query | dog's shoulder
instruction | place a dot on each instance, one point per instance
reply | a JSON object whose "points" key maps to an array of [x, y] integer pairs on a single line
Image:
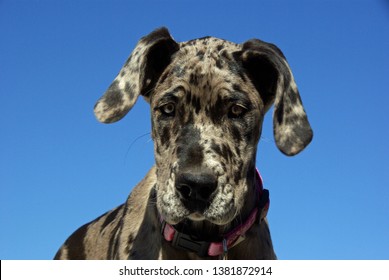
{"points": [[99, 239], [83, 243]]}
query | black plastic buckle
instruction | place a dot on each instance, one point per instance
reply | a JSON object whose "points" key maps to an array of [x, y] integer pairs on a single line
{"points": [[185, 241]]}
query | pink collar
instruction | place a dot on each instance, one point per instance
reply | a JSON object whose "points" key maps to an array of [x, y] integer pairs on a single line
{"points": [[230, 239]]}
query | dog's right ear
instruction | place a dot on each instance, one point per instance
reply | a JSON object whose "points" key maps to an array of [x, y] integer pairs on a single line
{"points": [[139, 75], [271, 75]]}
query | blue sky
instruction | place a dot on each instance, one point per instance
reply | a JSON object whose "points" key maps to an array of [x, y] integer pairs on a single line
{"points": [[60, 168]]}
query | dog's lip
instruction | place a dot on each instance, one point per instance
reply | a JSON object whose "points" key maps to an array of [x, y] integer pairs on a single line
{"points": [[196, 216]]}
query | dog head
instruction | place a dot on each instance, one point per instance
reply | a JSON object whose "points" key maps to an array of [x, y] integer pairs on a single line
{"points": [[208, 98]]}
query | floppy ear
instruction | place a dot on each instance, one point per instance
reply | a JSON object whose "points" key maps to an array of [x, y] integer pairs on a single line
{"points": [[139, 75], [272, 77]]}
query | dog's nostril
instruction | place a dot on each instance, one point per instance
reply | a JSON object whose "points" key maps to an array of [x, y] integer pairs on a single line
{"points": [[184, 190]]}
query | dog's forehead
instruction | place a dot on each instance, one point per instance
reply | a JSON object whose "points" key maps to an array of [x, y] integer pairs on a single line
{"points": [[202, 65], [206, 50], [209, 44]]}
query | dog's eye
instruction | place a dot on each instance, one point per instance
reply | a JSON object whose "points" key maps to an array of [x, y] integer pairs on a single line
{"points": [[168, 109], [237, 111]]}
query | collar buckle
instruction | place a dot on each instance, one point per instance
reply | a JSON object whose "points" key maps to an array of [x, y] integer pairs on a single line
{"points": [[186, 242]]}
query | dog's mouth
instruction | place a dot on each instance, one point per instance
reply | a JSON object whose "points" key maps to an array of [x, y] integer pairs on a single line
{"points": [[220, 210]]}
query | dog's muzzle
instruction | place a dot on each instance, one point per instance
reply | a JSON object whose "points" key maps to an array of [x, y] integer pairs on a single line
{"points": [[196, 190], [221, 244]]}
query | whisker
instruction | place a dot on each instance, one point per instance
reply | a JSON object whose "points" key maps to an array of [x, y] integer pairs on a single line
{"points": [[133, 142]]}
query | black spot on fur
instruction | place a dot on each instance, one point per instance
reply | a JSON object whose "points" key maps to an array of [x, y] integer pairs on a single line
{"points": [[193, 79], [237, 87], [130, 239], [236, 134], [226, 151], [113, 244], [216, 111], [165, 136], [200, 54], [219, 64], [113, 96], [216, 148], [222, 149], [236, 176], [220, 47], [75, 244], [279, 116], [236, 69], [193, 101], [110, 217]]}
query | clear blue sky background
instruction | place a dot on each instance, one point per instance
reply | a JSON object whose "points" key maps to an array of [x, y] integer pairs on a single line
{"points": [[60, 168]]}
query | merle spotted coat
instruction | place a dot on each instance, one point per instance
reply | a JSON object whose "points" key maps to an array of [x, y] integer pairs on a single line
{"points": [[208, 98]]}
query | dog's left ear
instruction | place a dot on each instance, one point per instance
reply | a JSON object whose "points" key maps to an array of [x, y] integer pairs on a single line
{"points": [[138, 76], [270, 73]]}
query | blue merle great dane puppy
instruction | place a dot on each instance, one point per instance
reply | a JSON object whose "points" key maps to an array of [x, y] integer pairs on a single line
{"points": [[204, 198]]}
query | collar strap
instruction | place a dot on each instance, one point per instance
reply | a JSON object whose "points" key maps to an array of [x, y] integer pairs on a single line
{"points": [[229, 240]]}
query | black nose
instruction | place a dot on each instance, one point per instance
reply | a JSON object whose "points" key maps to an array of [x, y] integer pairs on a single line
{"points": [[196, 189]]}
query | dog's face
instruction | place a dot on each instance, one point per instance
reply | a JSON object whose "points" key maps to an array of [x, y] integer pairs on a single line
{"points": [[206, 123], [208, 98]]}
